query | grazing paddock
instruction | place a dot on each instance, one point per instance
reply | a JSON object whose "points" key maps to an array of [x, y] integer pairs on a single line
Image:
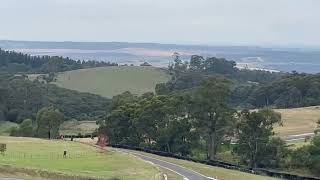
{"points": [[46, 157], [74, 127], [298, 120], [110, 81]]}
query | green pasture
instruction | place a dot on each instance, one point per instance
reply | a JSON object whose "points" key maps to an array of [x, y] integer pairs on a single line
{"points": [[110, 81], [81, 160]]}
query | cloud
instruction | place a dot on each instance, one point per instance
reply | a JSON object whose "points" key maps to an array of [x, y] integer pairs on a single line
{"points": [[258, 22]]}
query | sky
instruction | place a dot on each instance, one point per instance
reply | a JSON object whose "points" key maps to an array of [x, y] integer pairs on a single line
{"points": [[206, 22]]}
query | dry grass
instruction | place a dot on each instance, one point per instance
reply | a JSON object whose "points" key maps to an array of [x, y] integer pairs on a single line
{"points": [[298, 120], [73, 127]]}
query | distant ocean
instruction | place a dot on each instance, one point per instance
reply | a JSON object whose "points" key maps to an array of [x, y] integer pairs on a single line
{"points": [[274, 59]]}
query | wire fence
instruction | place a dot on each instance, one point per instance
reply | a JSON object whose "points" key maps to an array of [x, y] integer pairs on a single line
{"points": [[52, 156]]}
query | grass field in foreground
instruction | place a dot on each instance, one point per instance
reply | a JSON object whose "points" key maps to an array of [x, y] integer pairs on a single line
{"points": [[298, 120], [110, 81], [83, 160]]}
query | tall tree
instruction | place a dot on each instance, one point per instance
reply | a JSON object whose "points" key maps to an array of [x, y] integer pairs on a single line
{"points": [[213, 117], [26, 128], [318, 127], [163, 120], [254, 130], [48, 122]]}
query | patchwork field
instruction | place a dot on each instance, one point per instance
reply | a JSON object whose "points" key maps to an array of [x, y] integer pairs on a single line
{"points": [[45, 158], [298, 120], [110, 81]]}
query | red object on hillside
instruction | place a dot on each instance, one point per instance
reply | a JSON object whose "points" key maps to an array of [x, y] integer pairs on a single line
{"points": [[103, 140]]}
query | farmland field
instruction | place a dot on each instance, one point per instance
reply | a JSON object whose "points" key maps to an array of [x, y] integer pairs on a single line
{"points": [[110, 81], [75, 127], [82, 160], [298, 120]]}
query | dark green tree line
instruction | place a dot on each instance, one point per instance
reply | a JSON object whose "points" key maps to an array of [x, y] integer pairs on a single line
{"points": [[14, 62], [21, 99]]}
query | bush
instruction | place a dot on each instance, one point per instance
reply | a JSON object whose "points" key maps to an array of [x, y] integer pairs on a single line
{"points": [[301, 157], [26, 128], [14, 131]]}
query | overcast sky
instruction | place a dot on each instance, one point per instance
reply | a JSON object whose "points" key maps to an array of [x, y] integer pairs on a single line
{"points": [[225, 22]]}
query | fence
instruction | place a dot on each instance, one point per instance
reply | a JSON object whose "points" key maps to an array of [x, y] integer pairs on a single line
{"points": [[3, 148]]}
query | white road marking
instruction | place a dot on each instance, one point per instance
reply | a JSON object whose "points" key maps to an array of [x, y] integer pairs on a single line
{"points": [[172, 164], [165, 177]]}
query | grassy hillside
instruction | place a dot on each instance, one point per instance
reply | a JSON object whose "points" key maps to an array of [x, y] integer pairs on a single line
{"points": [[83, 160], [76, 127], [298, 120], [110, 81]]}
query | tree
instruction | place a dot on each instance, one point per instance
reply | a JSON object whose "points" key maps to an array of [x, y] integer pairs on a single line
{"points": [[163, 120], [213, 117], [196, 63], [26, 128], [48, 122], [119, 125], [308, 156], [275, 153], [318, 127], [301, 157], [254, 130], [315, 155]]}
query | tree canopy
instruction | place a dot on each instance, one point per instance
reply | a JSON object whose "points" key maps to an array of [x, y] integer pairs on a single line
{"points": [[21, 99], [14, 62]]}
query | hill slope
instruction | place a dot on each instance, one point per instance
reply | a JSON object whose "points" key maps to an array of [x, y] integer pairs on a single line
{"points": [[110, 81], [298, 120]]}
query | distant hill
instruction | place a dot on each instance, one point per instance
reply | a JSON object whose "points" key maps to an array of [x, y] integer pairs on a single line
{"points": [[21, 99], [282, 59], [110, 81], [15, 62]]}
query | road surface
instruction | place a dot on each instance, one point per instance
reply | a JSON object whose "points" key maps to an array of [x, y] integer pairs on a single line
{"points": [[187, 174], [298, 137]]}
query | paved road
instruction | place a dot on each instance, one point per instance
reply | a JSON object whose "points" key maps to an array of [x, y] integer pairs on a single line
{"points": [[187, 174], [298, 137]]}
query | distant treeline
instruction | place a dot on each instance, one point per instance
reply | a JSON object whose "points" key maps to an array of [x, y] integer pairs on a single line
{"points": [[14, 62], [251, 88], [21, 99]]}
